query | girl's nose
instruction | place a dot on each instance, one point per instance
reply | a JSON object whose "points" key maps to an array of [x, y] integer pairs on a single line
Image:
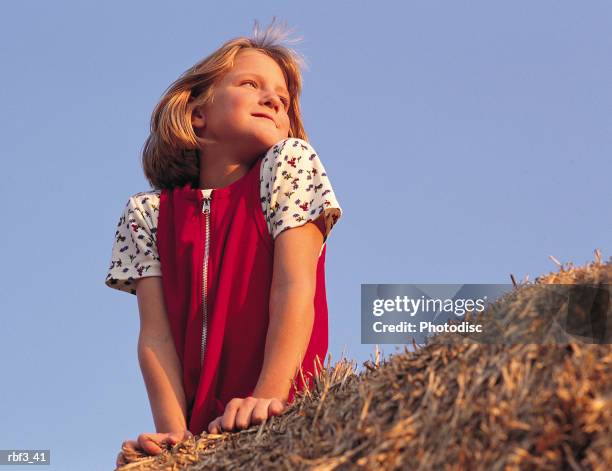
{"points": [[273, 101]]}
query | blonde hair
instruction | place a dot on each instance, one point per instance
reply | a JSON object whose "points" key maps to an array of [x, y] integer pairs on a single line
{"points": [[170, 155]]}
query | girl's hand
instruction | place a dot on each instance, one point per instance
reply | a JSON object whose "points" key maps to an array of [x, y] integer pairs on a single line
{"points": [[242, 413], [149, 444]]}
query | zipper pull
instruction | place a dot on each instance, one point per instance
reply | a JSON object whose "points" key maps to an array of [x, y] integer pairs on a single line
{"points": [[206, 203], [204, 208]]}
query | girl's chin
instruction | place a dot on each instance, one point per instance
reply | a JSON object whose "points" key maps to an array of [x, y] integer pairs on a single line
{"points": [[268, 139], [254, 136]]}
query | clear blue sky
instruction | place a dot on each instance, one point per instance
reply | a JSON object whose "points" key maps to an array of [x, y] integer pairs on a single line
{"points": [[465, 141]]}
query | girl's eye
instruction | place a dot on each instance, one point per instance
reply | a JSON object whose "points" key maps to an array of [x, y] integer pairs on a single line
{"points": [[284, 100]]}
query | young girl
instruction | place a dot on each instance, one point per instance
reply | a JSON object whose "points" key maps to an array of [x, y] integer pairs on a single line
{"points": [[226, 254]]}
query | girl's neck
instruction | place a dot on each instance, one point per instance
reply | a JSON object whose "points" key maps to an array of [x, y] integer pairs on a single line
{"points": [[220, 175], [219, 171]]}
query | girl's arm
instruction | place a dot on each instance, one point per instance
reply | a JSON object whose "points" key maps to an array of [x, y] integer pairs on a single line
{"points": [[296, 253], [158, 359]]}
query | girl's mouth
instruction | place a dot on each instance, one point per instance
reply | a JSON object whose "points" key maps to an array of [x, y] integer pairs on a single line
{"points": [[258, 115]]}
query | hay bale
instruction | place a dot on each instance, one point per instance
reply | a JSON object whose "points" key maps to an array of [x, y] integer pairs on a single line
{"points": [[447, 405]]}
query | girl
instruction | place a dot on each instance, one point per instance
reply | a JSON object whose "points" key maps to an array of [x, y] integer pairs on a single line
{"points": [[226, 254]]}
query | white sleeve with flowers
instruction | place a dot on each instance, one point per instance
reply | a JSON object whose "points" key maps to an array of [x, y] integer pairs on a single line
{"points": [[134, 253], [295, 188]]}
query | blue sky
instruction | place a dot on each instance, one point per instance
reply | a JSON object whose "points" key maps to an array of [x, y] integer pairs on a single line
{"points": [[464, 142]]}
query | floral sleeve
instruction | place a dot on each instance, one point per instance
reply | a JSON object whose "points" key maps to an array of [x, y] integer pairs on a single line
{"points": [[295, 189], [134, 253]]}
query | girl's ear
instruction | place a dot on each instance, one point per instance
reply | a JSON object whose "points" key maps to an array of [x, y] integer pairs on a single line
{"points": [[197, 117]]}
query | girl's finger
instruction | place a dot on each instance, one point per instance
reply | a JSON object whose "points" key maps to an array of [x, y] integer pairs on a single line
{"points": [[130, 450], [130, 445], [260, 412], [229, 416], [275, 408], [120, 461], [150, 444], [243, 416], [214, 426]]}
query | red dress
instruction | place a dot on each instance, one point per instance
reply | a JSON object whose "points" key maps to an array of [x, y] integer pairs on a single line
{"points": [[217, 255]]}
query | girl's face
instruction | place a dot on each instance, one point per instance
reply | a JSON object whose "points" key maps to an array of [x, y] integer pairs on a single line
{"points": [[249, 108]]}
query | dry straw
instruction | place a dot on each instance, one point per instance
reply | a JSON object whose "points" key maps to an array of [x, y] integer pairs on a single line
{"points": [[507, 406]]}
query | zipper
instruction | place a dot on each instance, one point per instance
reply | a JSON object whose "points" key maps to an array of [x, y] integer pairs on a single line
{"points": [[206, 213]]}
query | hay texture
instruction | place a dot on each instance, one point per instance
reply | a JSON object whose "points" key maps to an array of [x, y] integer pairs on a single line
{"points": [[449, 406]]}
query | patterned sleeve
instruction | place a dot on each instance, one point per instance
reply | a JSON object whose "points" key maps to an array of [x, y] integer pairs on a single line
{"points": [[134, 253], [295, 188]]}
